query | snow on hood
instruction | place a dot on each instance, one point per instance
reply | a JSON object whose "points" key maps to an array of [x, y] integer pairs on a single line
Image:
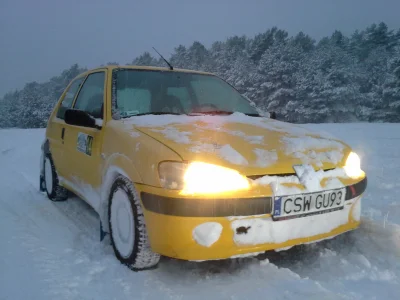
{"points": [[252, 145], [305, 176]]}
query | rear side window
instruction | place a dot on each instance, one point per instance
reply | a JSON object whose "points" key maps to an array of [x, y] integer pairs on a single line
{"points": [[91, 95], [69, 97]]}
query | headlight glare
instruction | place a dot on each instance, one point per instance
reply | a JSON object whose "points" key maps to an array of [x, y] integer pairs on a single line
{"points": [[200, 178], [203, 178], [353, 166]]}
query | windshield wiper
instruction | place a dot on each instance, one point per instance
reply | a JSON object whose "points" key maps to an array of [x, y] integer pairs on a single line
{"points": [[221, 112], [152, 113], [211, 112], [253, 115]]}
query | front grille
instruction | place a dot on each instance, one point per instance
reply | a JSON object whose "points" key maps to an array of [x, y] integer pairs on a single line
{"points": [[254, 177], [206, 207]]}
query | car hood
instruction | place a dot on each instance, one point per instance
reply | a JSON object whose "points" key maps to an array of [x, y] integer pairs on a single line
{"points": [[251, 145]]}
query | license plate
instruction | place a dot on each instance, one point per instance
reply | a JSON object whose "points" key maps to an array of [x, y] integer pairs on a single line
{"points": [[302, 205]]}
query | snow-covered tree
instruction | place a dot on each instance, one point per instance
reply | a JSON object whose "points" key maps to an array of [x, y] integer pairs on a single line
{"points": [[338, 78]]}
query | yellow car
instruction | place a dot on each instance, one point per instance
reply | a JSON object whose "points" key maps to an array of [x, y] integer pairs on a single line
{"points": [[178, 163]]}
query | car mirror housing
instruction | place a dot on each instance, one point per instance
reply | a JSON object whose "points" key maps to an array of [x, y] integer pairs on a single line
{"points": [[80, 118]]}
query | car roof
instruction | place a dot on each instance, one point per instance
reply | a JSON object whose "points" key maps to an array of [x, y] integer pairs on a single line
{"points": [[150, 68]]}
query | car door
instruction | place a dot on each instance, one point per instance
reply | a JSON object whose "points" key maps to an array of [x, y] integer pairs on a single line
{"points": [[84, 145], [56, 126]]}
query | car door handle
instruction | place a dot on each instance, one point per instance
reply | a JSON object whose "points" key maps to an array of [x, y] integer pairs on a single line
{"points": [[62, 133]]}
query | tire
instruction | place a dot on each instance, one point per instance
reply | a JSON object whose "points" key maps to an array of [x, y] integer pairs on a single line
{"points": [[55, 192], [127, 227]]}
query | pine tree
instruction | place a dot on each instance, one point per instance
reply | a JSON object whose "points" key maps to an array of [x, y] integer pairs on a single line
{"points": [[338, 79]]}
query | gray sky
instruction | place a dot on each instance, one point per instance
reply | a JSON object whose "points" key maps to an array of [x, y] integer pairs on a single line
{"points": [[40, 38]]}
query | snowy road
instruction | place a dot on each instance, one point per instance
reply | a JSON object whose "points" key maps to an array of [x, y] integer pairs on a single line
{"points": [[52, 250]]}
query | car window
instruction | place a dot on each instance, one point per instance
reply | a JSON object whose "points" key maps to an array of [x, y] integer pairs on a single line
{"points": [[91, 96], [182, 94], [146, 92], [69, 97], [133, 100], [214, 92]]}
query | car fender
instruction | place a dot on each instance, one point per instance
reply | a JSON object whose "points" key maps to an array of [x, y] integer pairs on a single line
{"points": [[116, 164]]}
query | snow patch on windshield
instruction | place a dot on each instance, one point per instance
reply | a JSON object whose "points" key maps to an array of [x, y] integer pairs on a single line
{"points": [[265, 158]]}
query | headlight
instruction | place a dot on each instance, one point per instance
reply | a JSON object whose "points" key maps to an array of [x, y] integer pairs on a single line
{"points": [[200, 178], [353, 166]]}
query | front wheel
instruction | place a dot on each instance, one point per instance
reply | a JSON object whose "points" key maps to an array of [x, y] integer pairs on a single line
{"points": [[127, 227], [54, 190]]}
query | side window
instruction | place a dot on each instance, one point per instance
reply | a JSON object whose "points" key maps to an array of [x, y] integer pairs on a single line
{"points": [[91, 96], [69, 97], [182, 94]]}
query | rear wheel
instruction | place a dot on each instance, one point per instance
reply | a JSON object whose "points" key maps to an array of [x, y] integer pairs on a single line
{"points": [[127, 227], [54, 191]]}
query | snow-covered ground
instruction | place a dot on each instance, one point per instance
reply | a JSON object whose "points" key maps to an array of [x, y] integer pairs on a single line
{"points": [[52, 250]]}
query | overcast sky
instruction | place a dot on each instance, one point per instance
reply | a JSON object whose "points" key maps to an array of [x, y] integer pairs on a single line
{"points": [[40, 38]]}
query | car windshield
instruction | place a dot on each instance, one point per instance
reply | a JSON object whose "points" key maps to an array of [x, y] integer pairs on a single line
{"points": [[139, 92]]}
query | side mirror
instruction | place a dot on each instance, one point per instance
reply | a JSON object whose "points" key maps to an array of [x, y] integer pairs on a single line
{"points": [[272, 115], [80, 118]]}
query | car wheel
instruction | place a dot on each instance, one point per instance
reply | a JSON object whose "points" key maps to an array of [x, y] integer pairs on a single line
{"points": [[54, 191], [127, 227]]}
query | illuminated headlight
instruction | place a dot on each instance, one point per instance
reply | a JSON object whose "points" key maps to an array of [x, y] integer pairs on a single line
{"points": [[353, 166], [200, 178]]}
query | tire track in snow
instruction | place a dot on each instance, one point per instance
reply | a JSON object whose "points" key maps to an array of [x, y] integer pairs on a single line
{"points": [[350, 260]]}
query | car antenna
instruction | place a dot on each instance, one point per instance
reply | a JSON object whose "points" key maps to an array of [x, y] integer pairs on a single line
{"points": [[170, 66]]}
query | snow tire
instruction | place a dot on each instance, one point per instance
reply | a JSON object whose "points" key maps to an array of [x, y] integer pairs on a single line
{"points": [[55, 192], [141, 256]]}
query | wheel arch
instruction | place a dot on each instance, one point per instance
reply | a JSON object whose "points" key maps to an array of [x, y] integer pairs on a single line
{"points": [[45, 147], [116, 165]]}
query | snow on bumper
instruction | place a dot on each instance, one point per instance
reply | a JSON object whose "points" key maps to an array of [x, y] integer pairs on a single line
{"points": [[201, 229], [264, 230]]}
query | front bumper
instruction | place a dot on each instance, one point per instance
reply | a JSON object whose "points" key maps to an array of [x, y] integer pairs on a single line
{"points": [[237, 226]]}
